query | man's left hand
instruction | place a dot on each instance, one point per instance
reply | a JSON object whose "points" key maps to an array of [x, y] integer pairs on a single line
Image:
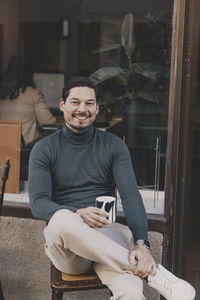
{"points": [[145, 264]]}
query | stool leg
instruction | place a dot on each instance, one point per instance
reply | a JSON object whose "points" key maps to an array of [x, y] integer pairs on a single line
{"points": [[1, 293], [57, 294]]}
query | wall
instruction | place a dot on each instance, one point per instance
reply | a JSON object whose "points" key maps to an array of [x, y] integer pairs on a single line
{"points": [[9, 20], [13, 12]]}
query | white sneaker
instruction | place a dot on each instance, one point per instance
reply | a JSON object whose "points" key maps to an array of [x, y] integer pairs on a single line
{"points": [[170, 286]]}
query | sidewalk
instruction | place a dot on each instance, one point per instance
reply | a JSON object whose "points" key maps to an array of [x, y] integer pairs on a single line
{"points": [[25, 269]]}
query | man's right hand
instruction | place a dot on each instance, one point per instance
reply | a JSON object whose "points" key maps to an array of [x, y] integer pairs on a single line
{"points": [[93, 216]]}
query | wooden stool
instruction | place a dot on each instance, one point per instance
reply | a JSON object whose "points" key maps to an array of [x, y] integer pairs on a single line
{"points": [[62, 282]]}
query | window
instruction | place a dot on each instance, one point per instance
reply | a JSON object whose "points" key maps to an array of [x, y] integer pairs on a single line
{"points": [[135, 109]]}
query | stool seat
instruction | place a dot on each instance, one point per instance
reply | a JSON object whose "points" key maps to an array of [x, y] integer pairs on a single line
{"points": [[83, 278], [63, 282]]}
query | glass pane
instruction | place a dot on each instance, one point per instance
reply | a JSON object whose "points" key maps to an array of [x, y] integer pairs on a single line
{"points": [[61, 38], [134, 88]]}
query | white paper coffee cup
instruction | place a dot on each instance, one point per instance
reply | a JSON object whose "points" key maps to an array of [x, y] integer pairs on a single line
{"points": [[108, 204]]}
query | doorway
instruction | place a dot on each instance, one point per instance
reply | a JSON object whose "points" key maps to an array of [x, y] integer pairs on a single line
{"points": [[183, 158], [192, 273]]}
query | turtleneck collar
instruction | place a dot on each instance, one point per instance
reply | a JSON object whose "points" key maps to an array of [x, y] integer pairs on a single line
{"points": [[77, 138]]}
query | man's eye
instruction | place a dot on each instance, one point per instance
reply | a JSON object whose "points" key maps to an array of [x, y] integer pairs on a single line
{"points": [[74, 102]]}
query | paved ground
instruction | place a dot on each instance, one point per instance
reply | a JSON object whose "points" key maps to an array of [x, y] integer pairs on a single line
{"points": [[25, 269]]}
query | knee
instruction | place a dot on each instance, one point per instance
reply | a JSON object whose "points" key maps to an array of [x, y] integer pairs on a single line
{"points": [[63, 225], [63, 221]]}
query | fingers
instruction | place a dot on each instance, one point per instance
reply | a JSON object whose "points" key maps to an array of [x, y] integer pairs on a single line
{"points": [[145, 262], [94, 217], [94, 220], [144, 270], [131, 258], [99, 211], [98, 217]]}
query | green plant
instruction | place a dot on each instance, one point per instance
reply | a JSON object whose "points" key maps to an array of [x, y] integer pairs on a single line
{"points": [[136, 80]]}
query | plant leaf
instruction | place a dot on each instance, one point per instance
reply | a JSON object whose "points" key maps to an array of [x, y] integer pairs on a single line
{"points": [[150, 70], [107, 48], [127, 31], [151, 96], [107, 97], [105, 73]]}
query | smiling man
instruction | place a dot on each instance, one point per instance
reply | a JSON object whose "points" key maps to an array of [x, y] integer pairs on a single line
{"points": [[68, 170], [80, 112]]}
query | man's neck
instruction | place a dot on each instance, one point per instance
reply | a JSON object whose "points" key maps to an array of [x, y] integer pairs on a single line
{"points": [[76, 129]]}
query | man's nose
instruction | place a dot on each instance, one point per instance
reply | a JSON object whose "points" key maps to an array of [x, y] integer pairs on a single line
{"points": [[82, 107]]}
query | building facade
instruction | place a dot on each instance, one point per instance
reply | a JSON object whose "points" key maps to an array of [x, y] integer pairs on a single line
{"points": [[149, 89]]}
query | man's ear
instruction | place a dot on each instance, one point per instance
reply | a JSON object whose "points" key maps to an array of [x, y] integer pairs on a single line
{"points": [[61, 104], [97, 110]]}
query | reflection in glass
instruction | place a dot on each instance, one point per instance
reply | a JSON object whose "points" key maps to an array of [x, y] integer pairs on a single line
{"points": [[134, 99], [138, 83]]}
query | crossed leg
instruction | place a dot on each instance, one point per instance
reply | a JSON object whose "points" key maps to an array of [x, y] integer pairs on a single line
{"points": [[73, 246]]}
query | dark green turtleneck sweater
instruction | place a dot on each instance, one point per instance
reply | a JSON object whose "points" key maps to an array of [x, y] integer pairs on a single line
{"points": [[69, 170]]}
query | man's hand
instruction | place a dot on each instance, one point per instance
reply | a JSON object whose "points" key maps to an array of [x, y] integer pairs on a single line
{"points": [[145, 264], [93, 216]]}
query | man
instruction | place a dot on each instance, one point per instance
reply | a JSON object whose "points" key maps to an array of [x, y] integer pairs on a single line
{"points": [[68, 170]]}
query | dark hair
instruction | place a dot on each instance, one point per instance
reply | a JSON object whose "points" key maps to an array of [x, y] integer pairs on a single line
{"points": [[17, 75], [78, 81]]}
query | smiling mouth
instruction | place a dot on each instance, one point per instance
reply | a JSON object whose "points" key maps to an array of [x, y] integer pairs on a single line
{"points": [[81, 118]]}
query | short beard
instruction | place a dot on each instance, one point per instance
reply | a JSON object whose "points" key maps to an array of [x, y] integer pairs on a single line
{"points": [[79, 129]]}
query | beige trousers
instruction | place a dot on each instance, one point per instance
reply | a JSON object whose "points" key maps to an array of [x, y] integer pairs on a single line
{"points": [[73, 247]]}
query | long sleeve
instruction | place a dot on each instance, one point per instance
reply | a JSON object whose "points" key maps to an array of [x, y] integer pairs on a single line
{"points": [[40, 184], [131, 199], [69, 170]]}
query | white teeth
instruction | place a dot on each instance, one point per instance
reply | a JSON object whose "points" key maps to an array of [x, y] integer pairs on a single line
{"points": [[81, 118]]}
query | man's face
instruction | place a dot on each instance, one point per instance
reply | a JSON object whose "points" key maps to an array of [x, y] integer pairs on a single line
{"points": [[80, 108]]}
